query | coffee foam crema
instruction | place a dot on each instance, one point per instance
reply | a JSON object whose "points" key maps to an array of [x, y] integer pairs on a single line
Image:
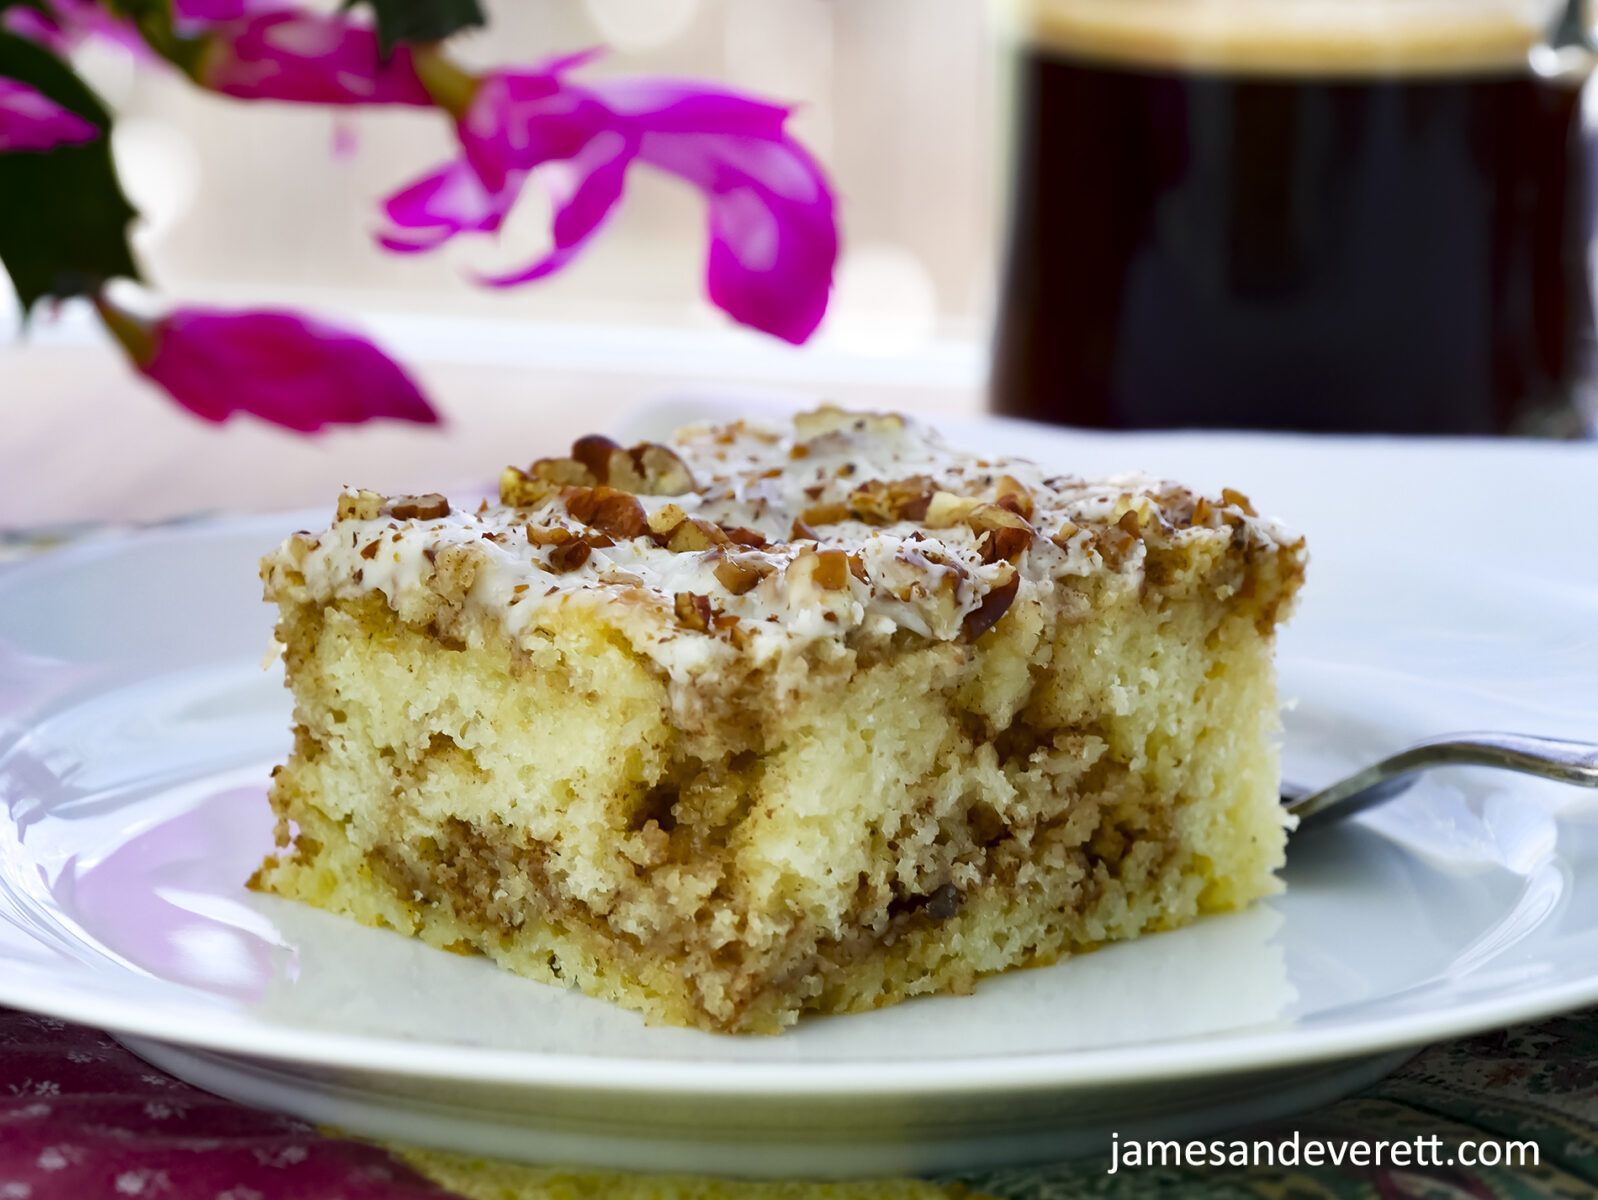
{"points": [[1291, 37]]}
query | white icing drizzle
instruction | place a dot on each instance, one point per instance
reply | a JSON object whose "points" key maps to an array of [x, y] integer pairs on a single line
{"points": [[903, 575]]}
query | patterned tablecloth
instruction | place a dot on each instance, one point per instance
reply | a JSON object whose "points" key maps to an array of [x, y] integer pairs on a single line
{"points": [[80, 1117]]}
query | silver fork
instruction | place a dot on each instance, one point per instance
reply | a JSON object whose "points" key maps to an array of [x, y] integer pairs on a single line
{"points": [[1551, 758]]}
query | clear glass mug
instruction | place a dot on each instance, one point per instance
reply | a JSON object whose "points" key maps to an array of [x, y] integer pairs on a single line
{"points": [[1361, 215]]}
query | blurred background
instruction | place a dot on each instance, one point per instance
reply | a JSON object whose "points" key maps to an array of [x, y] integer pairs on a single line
{"points": [[257, 204]]}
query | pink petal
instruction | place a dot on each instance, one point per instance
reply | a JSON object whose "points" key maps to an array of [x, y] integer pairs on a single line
{"points": [[594, 180], [773, 229], [212, 12], [689, 106], [771, 213], [197, 16], [280, 366], [307, 57], [30, 120], [436, 207], [62, 25], [521, 119]]}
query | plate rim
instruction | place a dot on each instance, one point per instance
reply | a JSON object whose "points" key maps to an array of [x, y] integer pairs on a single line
{"points": [[1234, 1053], [1263, 1048]]}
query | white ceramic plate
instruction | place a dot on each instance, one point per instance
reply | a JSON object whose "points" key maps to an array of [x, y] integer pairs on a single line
{"points": [[1452, 586]]}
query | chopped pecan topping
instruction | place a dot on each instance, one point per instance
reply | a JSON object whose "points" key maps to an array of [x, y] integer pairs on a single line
{"points": [[994, 605], [827, 570], [740, 573], [417, 508], [931, 574], [829, 418], [693, 535], [569, 556], [1005, 534], [1012, 494], [1238, 500], [674, 529], [545, 535], [1005, 543], [693, 610], [594, 452], [359, 506], [608, 509], [884, 501], [647, 469], [802, 532], [1062, 536], [1115, 542], [664, 519], [518, 488], [744, 536], [655, 471], [825, 514], [945, 510], [832, 570]]}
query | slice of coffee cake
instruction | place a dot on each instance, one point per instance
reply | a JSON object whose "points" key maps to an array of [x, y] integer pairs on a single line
{"points": [[764, 722]]}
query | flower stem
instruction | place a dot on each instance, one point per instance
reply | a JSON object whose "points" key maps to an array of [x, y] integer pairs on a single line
{"points": [[451, 87], [137, 337]]}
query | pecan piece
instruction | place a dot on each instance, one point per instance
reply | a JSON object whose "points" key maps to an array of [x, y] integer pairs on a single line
{"points": [[694, 534], [825, 514], [1010, 493], [548, 535], [1006, 534], [519, 489], [740, 574], [664, 520], [1238, 500], [609, 510], [827, 570], [946, 509], [693, 610], [884, 501], [428, 507], [662, 472], [594, 453], [647, 469], [569, 556], [829, 418], [993, 606], [359, 506]]}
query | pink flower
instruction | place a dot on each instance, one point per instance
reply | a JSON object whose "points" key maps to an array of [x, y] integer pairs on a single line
{"points": [[262, 52], [190, 15], [60, 25], [773, 232], [282, 367], [30, 120]]}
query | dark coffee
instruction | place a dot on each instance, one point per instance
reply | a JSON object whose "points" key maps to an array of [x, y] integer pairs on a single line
{"points": [[1204, 248]]}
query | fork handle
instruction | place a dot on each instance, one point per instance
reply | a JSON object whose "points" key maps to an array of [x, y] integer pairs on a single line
{"points": [[1551, 758]]}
